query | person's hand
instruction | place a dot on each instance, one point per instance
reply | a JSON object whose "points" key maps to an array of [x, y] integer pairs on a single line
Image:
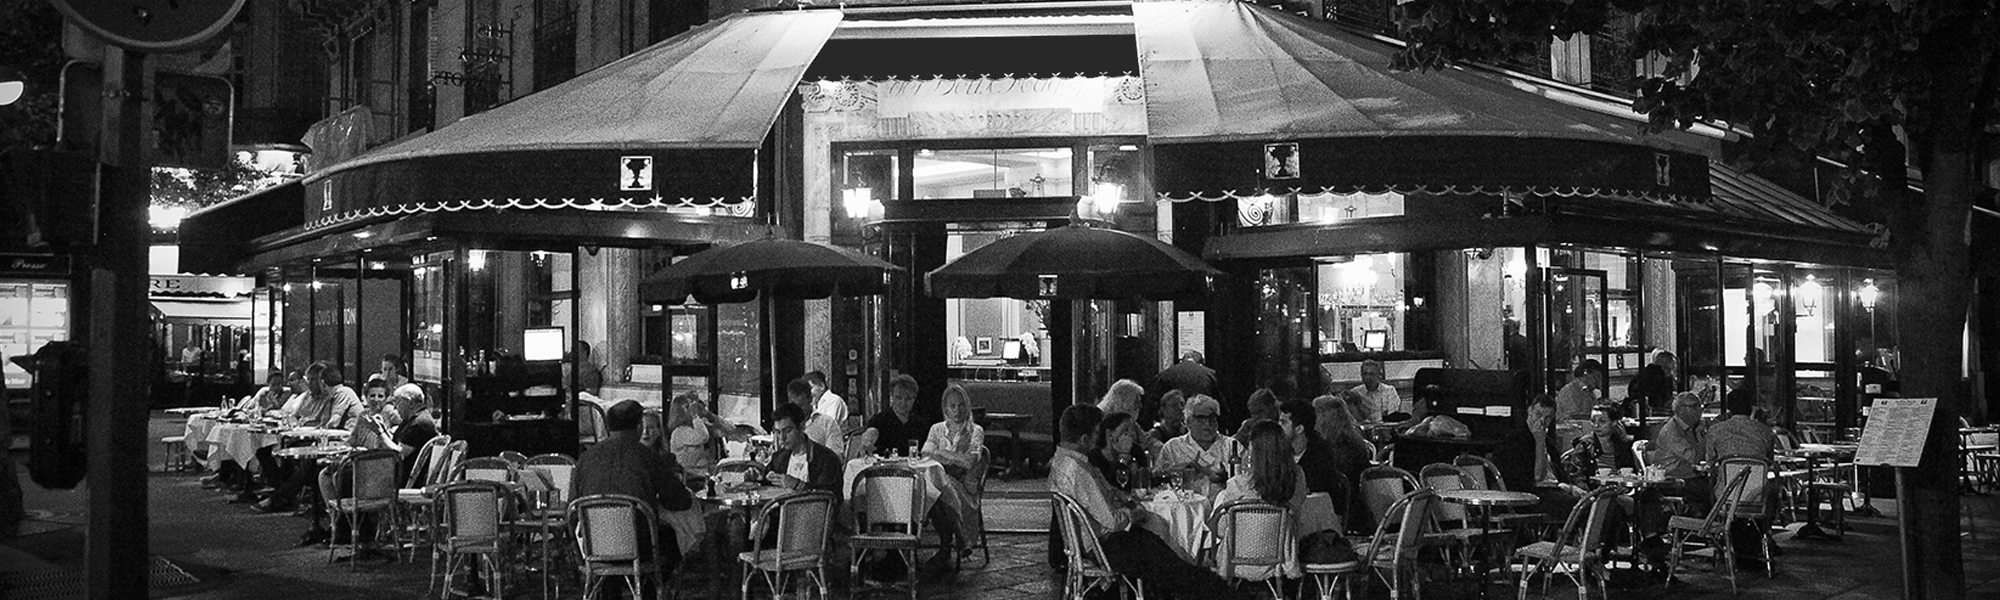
{"points": [[791, 483]]}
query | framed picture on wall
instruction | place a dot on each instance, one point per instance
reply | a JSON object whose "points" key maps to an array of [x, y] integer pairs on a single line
{"points": [[983, 346]]}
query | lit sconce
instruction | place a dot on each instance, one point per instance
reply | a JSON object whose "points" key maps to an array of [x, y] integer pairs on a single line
{"points": [[1869, 294], [859, 201], [1807, 294], [1105, 196], [476, 260], [1762, 291]]}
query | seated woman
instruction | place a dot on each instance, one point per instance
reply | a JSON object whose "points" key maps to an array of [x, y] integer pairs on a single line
{"points": [[956, 443], [1121, 458], [1273, 476], [694, 433]]}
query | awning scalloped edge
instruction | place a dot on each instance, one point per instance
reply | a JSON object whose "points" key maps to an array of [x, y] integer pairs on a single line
{"points": [[1436, 190], [734, 207]]}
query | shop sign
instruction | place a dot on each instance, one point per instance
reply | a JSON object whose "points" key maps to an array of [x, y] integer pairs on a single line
{"points": [[227, 287], [636, 175], [1281, 161], [33, 265]]}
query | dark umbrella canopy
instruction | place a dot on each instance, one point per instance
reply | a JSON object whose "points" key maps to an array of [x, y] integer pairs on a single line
{"points": [[779, 267], [1079, 262]]}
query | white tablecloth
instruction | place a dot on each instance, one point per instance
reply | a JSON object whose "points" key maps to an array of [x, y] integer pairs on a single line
{"points": [[1182, 522], [237, 442]]}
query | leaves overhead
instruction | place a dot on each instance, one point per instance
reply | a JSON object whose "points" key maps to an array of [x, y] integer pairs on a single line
{"points": [[1801, 76]]}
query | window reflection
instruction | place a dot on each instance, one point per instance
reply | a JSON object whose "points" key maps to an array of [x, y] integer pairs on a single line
{"points": [[992, 173]]}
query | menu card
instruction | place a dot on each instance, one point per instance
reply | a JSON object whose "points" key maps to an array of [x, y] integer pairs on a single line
{"points": [[1897, 428]]}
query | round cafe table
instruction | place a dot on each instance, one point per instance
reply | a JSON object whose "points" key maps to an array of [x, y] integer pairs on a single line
{"points": [[739, 505], [313, 433], [1183, 517], [1485, 500]]}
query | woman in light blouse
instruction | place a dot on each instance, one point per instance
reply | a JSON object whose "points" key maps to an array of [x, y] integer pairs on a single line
{"points": [[956, 440]]}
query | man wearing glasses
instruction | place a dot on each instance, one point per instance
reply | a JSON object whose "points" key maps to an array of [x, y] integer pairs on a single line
{"points": [[800, 463], [1203, 454]]}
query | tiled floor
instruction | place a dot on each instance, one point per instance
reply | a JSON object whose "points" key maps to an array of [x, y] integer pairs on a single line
{"points": [[237, 553]]}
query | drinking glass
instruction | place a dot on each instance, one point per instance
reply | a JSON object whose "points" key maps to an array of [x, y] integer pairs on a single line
{"points": [[914, 451]]}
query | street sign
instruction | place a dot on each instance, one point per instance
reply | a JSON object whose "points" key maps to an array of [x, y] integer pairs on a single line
{"points": [[151, 25], [191, 116]]}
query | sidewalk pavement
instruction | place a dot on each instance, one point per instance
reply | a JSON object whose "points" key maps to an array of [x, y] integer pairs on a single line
{"points": [[233, 552]]}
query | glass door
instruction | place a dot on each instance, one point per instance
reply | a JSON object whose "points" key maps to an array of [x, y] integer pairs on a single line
{"points": [[1577, 325]]}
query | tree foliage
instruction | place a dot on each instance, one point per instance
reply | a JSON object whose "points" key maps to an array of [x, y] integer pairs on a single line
{"points": [[1828, 77]]}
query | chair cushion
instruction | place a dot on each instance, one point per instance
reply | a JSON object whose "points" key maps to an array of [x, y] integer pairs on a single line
{"points": [[1351, 566], [1546, 551], [768, 560], [1686, 523], [883, 540]]}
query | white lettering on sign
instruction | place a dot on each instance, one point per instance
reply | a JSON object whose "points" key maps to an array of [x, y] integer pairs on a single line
{"points": [[635, 173]]}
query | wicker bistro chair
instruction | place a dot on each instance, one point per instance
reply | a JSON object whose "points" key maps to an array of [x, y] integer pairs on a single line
{"points": [[515, 457], [1713, 529], [1254, 541], [472, 523], [1088, 566], [1482, 474], [1392, 551], [1381, 486], [977, 479], [617, 536], [412, 503], [1457, 531], [888, 517], [804, 522], [1577, 551], [486, 468], [371, 491]]}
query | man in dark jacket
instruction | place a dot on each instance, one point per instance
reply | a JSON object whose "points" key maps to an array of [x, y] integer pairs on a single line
{"points": [[1653, 388], [622, 464], [800, 463]]}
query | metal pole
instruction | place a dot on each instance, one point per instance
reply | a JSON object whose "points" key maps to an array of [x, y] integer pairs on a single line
{"points": [[116, 544]]}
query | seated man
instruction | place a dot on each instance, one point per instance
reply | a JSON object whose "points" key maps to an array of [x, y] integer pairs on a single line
{"points": [[621, 464], [1742, 435], [1203, 457], [1119, 525], [1677, 447], [799, 463], [896, 429]]}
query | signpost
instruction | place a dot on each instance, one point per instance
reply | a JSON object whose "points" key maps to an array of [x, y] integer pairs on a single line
{"points": [[1895, 435], [116, 543]]}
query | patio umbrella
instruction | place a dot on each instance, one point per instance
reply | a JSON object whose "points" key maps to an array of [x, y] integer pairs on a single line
{"points": [[771, 267], [1075, 262]]}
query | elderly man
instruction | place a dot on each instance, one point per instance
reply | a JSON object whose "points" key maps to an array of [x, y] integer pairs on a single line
{"points": [[1203, 455], [622, 464], [1376, 398]]}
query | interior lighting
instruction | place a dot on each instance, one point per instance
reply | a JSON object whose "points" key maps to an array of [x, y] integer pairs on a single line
{"points": [[11, 86], [858, 201], [1869, 294], [1106, 195], [1807, 293]]}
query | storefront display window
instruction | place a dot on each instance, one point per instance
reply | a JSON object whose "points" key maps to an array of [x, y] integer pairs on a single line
{"points": [[992, 332], [992, 173], [31, 315], [1363, 303], [428, 301]]}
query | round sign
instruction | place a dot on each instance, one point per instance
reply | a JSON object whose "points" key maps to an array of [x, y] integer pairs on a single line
{"points": [[151, 25]]}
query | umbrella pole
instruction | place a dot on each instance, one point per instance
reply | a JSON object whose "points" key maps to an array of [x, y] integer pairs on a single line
{"points": [[765, 306]]}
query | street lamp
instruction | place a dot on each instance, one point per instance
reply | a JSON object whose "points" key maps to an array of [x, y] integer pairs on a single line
{"points": [[11, 86], [858, 201]]}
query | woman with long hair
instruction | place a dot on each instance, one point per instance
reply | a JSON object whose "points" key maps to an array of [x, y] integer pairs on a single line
{"points": [[1119, 455], [956, 442], [1273, 476]]}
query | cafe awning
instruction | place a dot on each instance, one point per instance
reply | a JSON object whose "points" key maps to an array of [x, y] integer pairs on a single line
{"points": [[692, 109], [216, 239], [1224, 79]]}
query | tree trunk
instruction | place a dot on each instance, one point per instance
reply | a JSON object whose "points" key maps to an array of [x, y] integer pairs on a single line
{"points": [[1932, 263]]}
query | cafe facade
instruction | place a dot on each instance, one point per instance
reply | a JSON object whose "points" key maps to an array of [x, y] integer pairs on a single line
{"points": [[1358, 212]]}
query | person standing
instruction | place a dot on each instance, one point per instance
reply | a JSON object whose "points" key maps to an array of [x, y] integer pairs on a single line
{"points": [[1577, 397], [1377, 399], [828, 426], [622, 464], [1189, 376], [1653, 388]]}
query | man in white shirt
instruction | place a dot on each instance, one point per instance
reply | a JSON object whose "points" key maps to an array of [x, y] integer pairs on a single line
{"points": [[829, 415], [1376, 397], [1204, 457]]}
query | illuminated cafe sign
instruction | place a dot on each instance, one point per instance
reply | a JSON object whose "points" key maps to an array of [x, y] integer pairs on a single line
{"points": [[187, 285]]}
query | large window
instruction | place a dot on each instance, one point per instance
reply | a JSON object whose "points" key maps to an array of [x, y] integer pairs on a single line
{"points": [[991, 173], [992, 332], [1364, 303]]}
